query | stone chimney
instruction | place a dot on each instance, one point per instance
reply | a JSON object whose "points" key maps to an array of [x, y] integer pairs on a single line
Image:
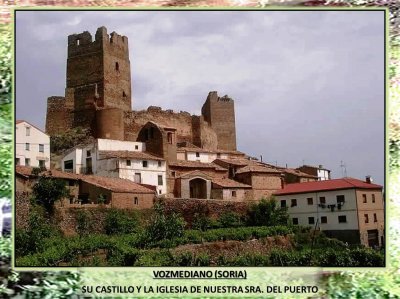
{"points": [[368, 179]]}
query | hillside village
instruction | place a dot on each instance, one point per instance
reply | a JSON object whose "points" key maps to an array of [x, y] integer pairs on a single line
{"points": [[132, 159]]}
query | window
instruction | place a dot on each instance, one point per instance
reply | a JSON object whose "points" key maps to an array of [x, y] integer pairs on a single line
{"points": [[28, 131], [310, 201], [311, 220], [366, 218], [159, 163], [136, 147], [117, 66], [17, 161], [283, 203], [340, 199], [293, 202], [322, 200], [233, 193], [295, 221], [159, 191], [27, 146], [197, 155], [373, 198], [342, 219], [136, 201], [78, 42], [41, 164], [144, 164], [41, 148], [375, 218], [128, 162], [173, 173], [218, 155], [324, 219], [169, 137], [123, 94], [160, 180], [68, 165], [364, 198], [27, 162], [88, 154]]}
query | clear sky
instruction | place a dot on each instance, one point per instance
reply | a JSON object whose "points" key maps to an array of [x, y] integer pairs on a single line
{"points": [[308, 85]]}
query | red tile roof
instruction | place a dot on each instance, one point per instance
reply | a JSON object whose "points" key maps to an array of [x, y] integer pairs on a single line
{"points": [[116, 185], [26, 171], [195, 164], [336, 184], [257, 168], [228, 183], [129, 155]]}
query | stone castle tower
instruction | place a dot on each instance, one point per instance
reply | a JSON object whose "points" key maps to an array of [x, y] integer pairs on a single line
{"points": [[98, 96]]}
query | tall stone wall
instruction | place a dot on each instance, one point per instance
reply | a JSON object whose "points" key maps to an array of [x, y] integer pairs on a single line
{"points": [[219, 112], [58, 117]]}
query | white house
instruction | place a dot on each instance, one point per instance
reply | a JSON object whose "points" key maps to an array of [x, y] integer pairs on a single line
{"points": [[348, 209], [32, 146], [205, 155], [120, 159]]}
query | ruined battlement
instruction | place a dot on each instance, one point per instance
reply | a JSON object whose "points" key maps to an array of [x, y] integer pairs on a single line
{"points": [[83, 43]]}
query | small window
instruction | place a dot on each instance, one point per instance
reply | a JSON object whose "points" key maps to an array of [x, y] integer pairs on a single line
{"points": [[373, 198], [136, 201], [197, 155], [340, 199], [159, 163], [375, 218], [322, 200], [173, 173], [160, 180], [27, 162], [144, 164], [78, 41], [218, 155], [233, 193], [123, 94], [42, 164], [41, 148], [324, 219], [310, 201], [117, 66], [283, 203], [366, 218], [68, 165], [159, 191], [311, 220], [293, 202], [17, 161], [88, 154], [295, 221], [342, 219], [169, 137], [136, 147], [364, 198], [128, 162], [28, 131], [27, 146]]}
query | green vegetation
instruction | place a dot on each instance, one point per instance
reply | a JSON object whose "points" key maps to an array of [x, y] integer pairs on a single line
{"points": [[119, 222], [47, 191], [267, 212], [69, 139]]}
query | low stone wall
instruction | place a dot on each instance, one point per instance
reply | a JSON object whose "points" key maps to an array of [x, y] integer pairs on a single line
{"points": [[212, 208], [22, 204]]}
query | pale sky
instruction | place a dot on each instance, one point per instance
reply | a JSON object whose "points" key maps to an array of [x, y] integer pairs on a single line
{"points": [[308, 85]]}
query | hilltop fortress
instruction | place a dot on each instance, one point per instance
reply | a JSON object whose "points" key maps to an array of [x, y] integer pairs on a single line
{"points": [[98, 96]]}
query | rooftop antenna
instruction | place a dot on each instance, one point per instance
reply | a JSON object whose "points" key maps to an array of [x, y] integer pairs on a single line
{"points": [[344, 169]]}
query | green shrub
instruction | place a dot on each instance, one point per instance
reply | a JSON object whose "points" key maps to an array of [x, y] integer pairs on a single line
{"points": [[155, 258], [230, 219], [267, 213], [201, 222], [47, 191], [118, 222], [84, 224]]}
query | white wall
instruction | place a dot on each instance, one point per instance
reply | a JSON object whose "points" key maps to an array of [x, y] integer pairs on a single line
{"points": [[302, 211], [149, 175], [323, 174], [35, 138], [204, 157], [117, 145]]}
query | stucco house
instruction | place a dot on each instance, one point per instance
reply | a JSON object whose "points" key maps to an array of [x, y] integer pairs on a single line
{"points": [[118, 159], [32, 145], [348, 209]]}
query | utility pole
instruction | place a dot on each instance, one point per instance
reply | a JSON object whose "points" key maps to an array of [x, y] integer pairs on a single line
{"points": [[344, 169]]}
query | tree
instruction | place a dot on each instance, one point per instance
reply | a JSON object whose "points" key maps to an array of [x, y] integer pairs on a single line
{"points": [[47, 191], [267, 213]]}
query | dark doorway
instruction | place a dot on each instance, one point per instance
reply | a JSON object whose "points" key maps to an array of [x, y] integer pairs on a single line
{"points": [[373, 240], [198, 188]]}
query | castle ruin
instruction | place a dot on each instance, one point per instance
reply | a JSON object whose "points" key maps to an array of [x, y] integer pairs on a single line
{"points": [[98, 96]]}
